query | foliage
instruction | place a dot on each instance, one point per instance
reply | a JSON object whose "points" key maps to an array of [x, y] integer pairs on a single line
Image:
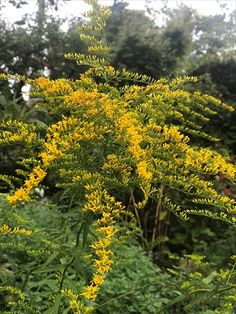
{"points": [[203, 289], [109, 153], [204, 237], [37, 53], [134, 39], [134, 285], [141, 46], [35, 265], [17, 109]]}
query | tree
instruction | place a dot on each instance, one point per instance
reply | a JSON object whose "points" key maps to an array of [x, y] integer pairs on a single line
{"points": [[37, 45], [134, 41]]}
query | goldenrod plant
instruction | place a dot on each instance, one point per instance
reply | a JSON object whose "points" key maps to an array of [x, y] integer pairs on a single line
{"points": [[119, 144]]}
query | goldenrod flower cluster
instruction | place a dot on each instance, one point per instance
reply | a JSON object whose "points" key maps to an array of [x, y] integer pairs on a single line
{"points": [[59, 87], [75, 305], [22, 194], [15, 132], [118, 168], [100, 202], [207, 161], [120, 138], [142, 170], [15, 291], [5, 229]]}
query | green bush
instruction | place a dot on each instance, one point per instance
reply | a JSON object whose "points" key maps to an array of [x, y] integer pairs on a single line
{"points": [[135, 284], [201, 287]]}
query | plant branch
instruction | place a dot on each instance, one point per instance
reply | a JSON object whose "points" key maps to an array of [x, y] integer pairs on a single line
{"points": [[157, 215]]}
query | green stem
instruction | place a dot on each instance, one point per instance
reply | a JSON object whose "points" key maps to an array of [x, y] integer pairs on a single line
{"points": [[231, 273], [210, 294], [181, 298], [64, 272], [72, 259], [157, 214], [213, 293]]}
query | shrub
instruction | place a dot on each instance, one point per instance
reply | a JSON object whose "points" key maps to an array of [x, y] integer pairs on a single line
{"points": [[134, 285], [113, 151], [202, 288]]}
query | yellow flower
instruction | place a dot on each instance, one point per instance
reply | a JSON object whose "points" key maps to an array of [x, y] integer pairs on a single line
{"points": [[77, 306], [90, 292], [102, 243], [50, 87], [22, 194], [106, 217], [99, 201], [109, 231], [142, 170], [35, 177], [5, 229], [19, 196], [103, 265], [98, 279], [51, 154]]}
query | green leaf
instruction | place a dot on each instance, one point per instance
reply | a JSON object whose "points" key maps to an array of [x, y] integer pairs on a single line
{"points": [[78, 264], [51, 283], [63, 260], [57, 304], [48, 261]]}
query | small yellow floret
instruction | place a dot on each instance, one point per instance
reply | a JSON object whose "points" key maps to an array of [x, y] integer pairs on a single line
{"points": [[5, 229], [90, 292], [142, 170]]}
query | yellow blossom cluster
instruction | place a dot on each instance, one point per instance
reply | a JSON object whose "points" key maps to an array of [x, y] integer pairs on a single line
{"points": [[182, 80], [130, 131], [48, 87], [100, 202], [173, 133], [17, 132], [16, 138], [115, 166], [217, 102], [207, 161], [98, 112], [17, 77], [5, 229], [142, 170], [22, 194], [67, 134], [75, 305], [89, 103], [13, 290], [52, 152]]}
